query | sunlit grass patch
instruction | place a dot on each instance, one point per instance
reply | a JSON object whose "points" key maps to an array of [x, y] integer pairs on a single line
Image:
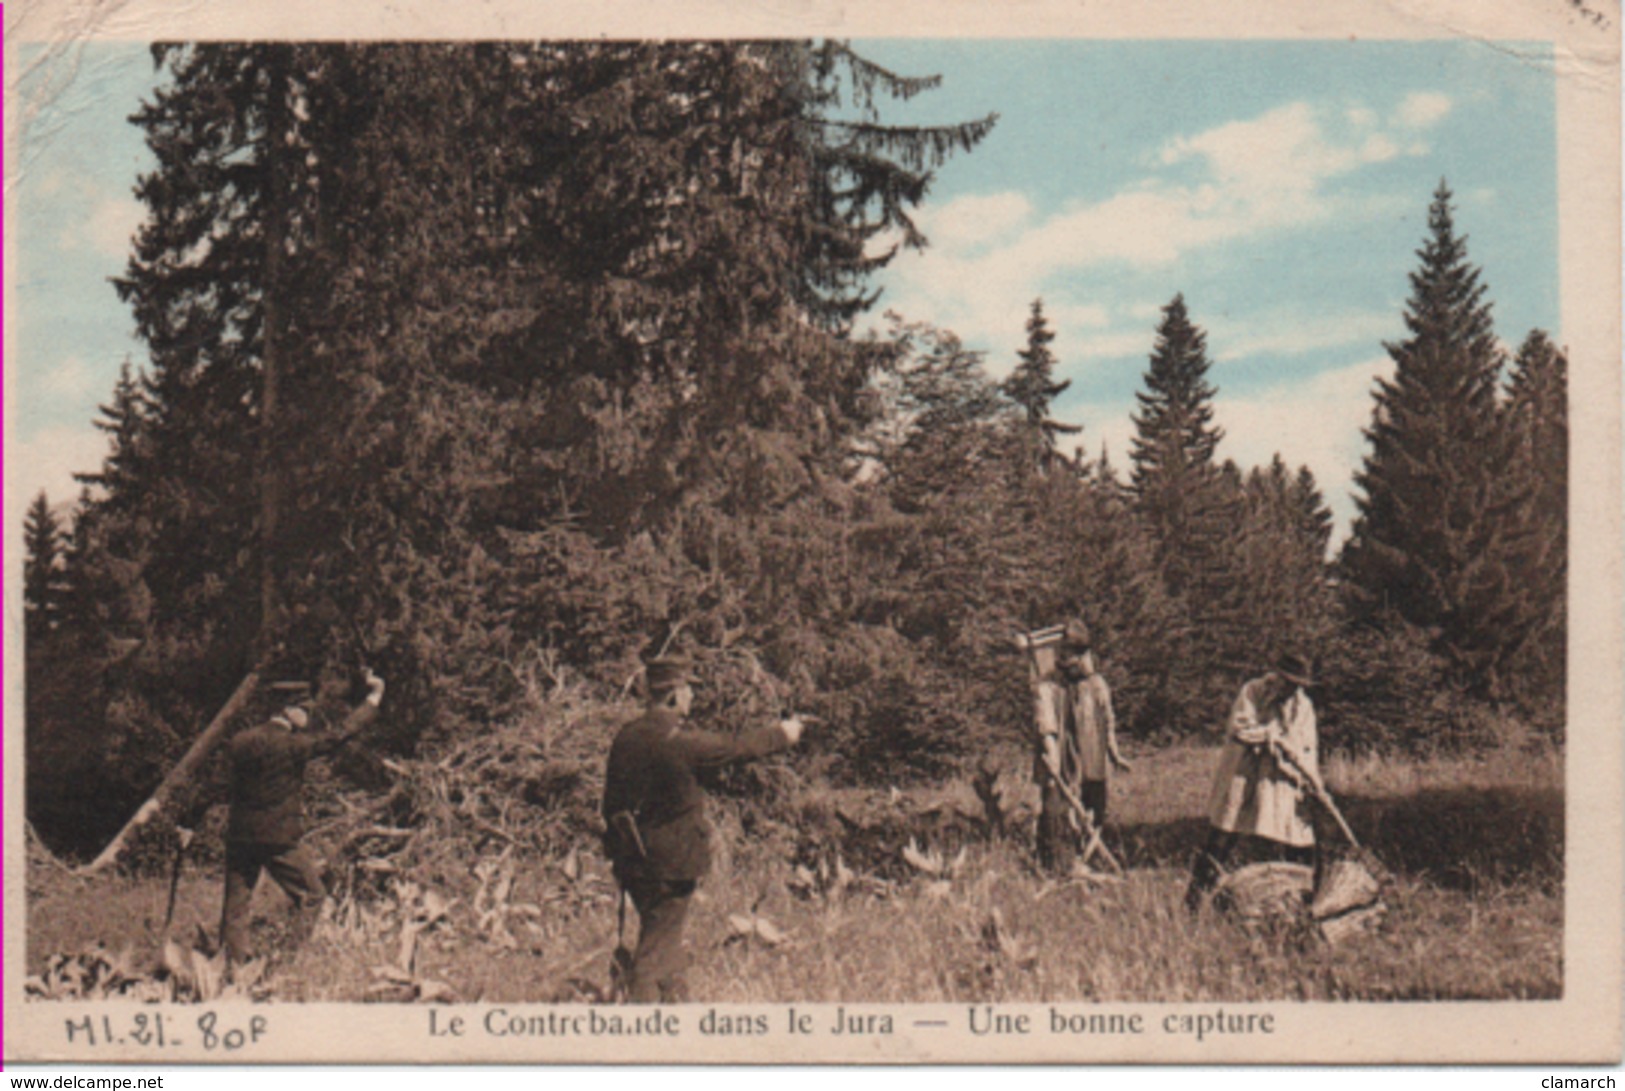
{"points": [[1475, 907]]}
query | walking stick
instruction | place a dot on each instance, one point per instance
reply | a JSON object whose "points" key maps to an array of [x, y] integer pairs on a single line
{"points": [[183, 838], [1094, 843]]}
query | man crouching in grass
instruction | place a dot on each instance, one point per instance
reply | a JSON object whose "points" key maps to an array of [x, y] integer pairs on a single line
{"points": [[657, 835]]}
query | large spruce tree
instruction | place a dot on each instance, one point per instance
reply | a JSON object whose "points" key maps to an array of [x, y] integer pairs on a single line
{"points": [[1441, 540], [456, 348], [1192, 508], [1174, 478]]}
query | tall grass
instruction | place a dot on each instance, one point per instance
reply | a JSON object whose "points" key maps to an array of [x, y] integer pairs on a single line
{"points": [[1475, 910]]}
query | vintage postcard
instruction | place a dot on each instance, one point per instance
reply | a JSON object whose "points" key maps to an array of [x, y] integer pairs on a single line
{"points": [[764, 533]]}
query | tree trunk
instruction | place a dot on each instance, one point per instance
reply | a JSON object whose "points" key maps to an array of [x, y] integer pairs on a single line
{"points": [[181, 773], [273, 334]]}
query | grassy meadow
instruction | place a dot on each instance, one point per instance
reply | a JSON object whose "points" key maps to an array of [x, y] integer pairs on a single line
{"points": [[1475, 845]]}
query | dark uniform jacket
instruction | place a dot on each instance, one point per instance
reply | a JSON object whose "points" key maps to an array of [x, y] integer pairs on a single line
{"points": [[268, 776], [652, 774]]}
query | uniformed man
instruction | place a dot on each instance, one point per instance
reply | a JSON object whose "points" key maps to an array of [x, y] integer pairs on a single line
{"points": [[657, 835], [1077, 745], [266, 823], [1259, 803]]}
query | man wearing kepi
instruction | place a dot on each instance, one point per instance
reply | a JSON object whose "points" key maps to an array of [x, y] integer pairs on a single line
{"points": [[657, 836], [1258, 802], [266, 824], [1077, 745]]}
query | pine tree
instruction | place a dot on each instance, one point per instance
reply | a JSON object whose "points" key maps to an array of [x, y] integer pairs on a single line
{"points": [[220, 292], [1032, 384], [1439, 541], [1314, 518], [535, 302], [1282, 541], [120, 508], [122, 420], [43, 586], [1537, 408], [1173, 478], [1536, 412]]}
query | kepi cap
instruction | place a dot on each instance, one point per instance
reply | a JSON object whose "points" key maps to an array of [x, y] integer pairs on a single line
{"points": [[665, 673]]}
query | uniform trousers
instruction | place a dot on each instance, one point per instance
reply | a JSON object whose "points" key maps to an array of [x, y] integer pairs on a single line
{"points": [[659, 964], [292, 867]]}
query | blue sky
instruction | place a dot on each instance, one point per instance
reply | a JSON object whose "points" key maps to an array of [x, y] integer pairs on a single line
{"points": [[1282, 187]]}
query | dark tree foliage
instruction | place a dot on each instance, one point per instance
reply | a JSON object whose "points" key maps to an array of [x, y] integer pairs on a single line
{"points": [[43, 580], [463, 353], [1174, 478], [1032, 384], [1536, 413], [983, 541], [1442, 539], [1196, 512], [1288, 605], [466, 358], [187, 506]]}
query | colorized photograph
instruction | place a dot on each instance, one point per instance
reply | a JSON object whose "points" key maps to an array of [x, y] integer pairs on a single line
{"points": [[698, 525]]}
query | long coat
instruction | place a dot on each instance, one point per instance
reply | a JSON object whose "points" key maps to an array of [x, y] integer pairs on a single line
{"points": [[1251, 793], [1077, 726], [653, 770]]}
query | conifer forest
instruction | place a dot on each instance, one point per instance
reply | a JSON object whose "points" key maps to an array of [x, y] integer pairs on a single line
{"points": [[499, 368]]}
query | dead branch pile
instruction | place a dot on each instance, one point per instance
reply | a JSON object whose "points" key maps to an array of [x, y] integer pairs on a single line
{"points": [[529, 790], [882, 836]]}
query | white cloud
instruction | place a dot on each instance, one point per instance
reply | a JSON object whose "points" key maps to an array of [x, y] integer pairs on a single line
{"points": [[1111, 346], [1271, 173], [1424, 109], [69, 380], [1362, 117], [1316, 423], [47, 460], [1091, 315], [969, 221], [105, 228], [1378, 148], [110, 225], [1288, 334]]}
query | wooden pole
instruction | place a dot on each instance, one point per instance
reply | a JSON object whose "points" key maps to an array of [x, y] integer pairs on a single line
{"points": [[1093, 843], [1317, 788], [180, 774]]}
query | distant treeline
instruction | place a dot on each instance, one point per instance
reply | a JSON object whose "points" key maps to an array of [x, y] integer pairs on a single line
{"points": [[466, 359]]}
